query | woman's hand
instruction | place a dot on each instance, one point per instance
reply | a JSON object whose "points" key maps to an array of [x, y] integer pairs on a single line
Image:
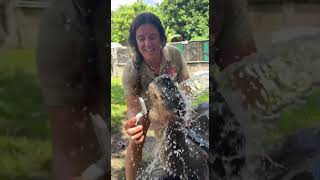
{"points": [[134, 131]]}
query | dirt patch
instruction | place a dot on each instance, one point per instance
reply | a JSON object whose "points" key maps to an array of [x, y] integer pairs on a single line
{"points": [[119, 144]]}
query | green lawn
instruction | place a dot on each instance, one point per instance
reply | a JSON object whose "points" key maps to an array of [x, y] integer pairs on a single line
{"points": [[118, 105], [25, 146], [295, 118], [25, 151]]}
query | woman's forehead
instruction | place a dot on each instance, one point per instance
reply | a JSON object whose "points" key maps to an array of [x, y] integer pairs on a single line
{"points": [[146, 29]]}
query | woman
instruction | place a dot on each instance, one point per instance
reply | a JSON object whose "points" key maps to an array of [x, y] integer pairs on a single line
{"points": [[152, 58]]}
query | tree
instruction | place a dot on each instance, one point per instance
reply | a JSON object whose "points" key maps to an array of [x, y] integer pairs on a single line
{"points": [[121, 19], [189, 18]]}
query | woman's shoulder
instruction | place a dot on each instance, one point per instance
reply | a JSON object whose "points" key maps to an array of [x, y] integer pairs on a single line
{"points": [[170, 49], [130, 70], [171, 52]]}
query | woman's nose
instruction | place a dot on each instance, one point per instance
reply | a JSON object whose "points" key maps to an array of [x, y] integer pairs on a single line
{"points": [[147, 42]]}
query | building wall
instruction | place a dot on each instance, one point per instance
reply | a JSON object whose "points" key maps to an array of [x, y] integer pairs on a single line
{"points": [[28, 21], [266, 19], [192, 68]]}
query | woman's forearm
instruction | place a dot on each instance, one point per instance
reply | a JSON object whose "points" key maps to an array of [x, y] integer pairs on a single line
{"points": [[133, 160]]}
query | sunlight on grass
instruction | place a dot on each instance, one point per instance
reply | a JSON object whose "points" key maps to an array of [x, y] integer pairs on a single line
{"points": [[118, 105], [25, 151], [201, 99], [24, 157], [17, 60], [296, 118]]}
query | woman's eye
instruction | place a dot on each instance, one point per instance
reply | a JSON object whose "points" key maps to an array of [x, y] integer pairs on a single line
{"points": [[140, 39], [153, 37]]}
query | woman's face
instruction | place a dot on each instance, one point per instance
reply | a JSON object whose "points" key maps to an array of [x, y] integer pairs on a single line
{"points": [[148, 41]]}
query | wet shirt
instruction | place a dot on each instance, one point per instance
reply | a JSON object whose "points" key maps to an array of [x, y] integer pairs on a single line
{"points": [[137, 82]]}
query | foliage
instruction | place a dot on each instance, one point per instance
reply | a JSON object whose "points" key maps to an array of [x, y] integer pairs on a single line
{"points": [[198, 38], [122, 17], [171, 34], [189, 20]]}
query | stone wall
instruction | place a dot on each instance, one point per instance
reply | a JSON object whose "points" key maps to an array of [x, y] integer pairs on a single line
{"points": [[192, 68]]}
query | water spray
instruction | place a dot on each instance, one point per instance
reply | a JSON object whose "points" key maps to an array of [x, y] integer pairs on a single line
{"points": [[141, 113], [98, 169]]}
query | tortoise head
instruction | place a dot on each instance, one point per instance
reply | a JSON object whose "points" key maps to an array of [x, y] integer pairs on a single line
{"points": [[167, 103]]}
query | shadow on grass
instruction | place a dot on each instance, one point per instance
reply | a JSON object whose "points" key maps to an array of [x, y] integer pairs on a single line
{"points": [[13, 177], [22, 111]]}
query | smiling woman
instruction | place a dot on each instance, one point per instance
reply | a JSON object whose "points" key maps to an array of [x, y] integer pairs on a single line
{"points": [[152, 58], [149, 45]]}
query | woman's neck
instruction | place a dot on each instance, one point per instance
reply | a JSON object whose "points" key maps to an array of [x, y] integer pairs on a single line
{"points": [[154, 64]]}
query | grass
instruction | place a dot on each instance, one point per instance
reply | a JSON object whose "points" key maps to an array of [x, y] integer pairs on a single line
{"points": [[201, 99], [295, 118], [25, 144], [118, 105], [307, 115], [25, 151]]}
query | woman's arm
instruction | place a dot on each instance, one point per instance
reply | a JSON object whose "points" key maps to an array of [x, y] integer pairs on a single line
{"points": [[137, 134]]}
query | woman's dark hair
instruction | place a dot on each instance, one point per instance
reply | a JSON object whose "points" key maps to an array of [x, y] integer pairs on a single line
{"points": [[145, 18]]}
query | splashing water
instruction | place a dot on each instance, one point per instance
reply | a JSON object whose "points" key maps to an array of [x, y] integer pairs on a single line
{"points": [[258, 89], [176, 156]]}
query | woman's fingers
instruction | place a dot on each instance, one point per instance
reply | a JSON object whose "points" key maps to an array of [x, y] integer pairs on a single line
{"points": [[140, 140], [135, 130], [137, 136], [130, 123]]}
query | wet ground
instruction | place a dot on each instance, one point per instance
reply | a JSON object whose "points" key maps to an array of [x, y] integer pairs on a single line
{"points": [[119, 143]]}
